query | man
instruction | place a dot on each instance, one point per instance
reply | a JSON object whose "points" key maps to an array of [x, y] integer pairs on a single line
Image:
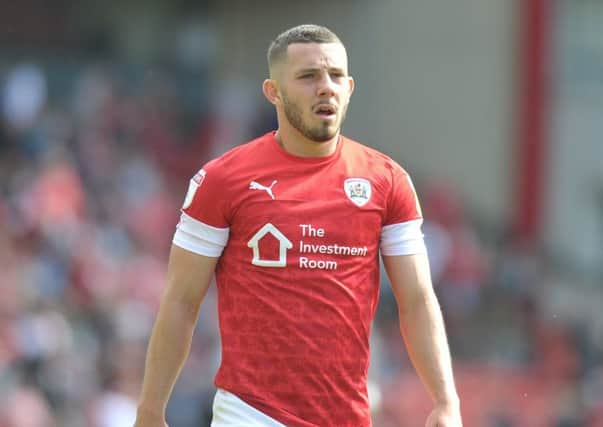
{"points": [[292, 223]]}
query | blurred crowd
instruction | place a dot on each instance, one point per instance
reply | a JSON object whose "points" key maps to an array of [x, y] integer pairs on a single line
{"points": [[91, 181]]}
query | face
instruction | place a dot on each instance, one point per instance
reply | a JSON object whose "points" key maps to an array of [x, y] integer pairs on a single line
{"points": [[315, 89]]}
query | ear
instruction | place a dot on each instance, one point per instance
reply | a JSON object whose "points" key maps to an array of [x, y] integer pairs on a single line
{"points": [[352, 84], [271, 91]]}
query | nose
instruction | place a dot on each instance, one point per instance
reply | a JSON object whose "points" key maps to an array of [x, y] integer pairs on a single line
{"points": [[326, 86]]}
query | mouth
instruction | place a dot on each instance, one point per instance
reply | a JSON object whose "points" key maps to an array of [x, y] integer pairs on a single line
{"points": [[325, 111]]}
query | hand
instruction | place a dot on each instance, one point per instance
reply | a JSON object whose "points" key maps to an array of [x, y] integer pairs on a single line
{"points": [[149, 423], [445, 415], [149, 419]]}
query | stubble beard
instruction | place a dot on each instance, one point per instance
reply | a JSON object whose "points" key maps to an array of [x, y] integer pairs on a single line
{"points": [[320, 133]]}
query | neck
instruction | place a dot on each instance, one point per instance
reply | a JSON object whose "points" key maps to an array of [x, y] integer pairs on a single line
{"points": [[293, 142]]}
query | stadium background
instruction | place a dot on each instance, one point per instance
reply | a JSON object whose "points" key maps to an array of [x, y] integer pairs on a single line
{"points": [[495, 107]]}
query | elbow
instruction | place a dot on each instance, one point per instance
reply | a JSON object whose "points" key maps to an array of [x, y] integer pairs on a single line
{"points": [[418, 308], [182, 307]]}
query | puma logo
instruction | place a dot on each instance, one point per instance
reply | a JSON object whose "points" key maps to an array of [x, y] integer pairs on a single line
{"points": [[257, 186]]}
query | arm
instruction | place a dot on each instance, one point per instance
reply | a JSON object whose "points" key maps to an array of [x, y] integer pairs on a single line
{"points": [[423, 330], [188, 279]]}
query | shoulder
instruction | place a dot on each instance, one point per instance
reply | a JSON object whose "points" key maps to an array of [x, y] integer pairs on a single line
{"points": [[239, 158], [242, 153], [378, 161], [212, 190]]}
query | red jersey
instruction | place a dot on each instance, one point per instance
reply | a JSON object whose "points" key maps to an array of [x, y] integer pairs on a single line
{"points": [[298, 275]]}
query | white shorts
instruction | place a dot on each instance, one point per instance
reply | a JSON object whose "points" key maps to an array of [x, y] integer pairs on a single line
{"points": [[230, 411]]}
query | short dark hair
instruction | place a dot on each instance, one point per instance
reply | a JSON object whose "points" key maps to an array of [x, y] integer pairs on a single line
{"points": [[306, 33]]}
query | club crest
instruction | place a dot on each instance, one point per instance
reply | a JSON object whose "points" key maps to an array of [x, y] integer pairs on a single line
{"points": [[358, 190]]}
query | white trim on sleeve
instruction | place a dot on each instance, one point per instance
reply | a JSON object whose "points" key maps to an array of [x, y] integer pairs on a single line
{"points": [[195, 236], [405, 238]]}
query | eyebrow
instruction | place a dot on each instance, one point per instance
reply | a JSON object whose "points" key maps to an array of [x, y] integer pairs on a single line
{"points": [[316, 69]]}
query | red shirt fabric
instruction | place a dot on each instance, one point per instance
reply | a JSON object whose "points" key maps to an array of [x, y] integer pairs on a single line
{"points": [[298, 279]]}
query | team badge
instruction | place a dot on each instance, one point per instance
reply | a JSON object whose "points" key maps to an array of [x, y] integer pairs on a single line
{"points": [[358, 190], [193, 185]]}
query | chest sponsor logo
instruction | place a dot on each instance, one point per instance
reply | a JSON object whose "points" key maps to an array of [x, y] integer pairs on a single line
{"points": [[315, 252], [253, 185], [358, 190], [284, 245]]}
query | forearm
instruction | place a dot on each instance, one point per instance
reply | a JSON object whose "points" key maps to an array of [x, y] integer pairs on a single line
{"points": [[167, 351], [424, 334]]}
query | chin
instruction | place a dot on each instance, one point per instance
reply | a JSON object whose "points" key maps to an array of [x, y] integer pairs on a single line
{"points": [[323, 138], [327, 133]]}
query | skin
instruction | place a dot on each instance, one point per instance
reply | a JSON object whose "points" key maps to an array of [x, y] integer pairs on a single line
{"points": [[422, 328], [310, 75], [188, 279]]}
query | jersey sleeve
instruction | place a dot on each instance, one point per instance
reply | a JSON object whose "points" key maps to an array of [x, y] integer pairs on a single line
{"points": [[401, 233], [203, 226]]}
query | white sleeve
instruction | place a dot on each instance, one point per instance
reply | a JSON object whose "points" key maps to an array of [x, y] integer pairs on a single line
{"points": [[200, 238], [405, 238]]}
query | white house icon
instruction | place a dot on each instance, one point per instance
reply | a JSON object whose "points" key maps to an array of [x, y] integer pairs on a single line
{"points": [[283, 245]]}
